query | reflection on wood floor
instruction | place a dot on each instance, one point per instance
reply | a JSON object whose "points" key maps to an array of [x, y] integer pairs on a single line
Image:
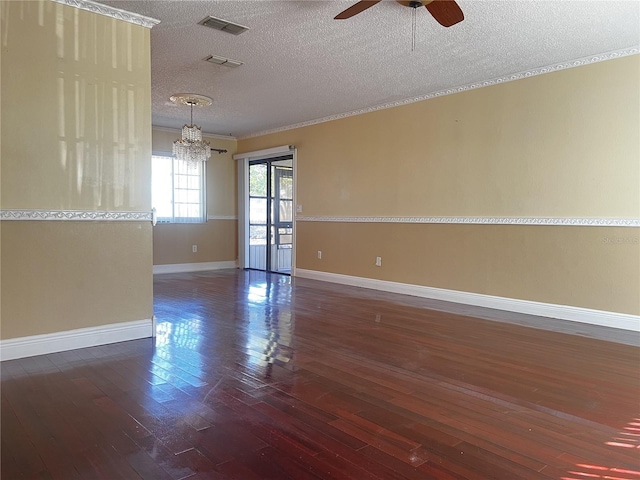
{"points": [[256, 376]]}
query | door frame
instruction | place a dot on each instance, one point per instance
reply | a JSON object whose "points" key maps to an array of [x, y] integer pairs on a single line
{"points": [[243, 160]]}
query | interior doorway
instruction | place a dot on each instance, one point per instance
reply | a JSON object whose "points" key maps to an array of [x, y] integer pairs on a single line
{"points": [[271, 210]]}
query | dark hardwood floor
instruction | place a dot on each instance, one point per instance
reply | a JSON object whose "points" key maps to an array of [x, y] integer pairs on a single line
{"points": [[255, 376]]}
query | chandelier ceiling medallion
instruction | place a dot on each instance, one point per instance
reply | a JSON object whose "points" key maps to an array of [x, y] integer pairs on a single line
{"points": [[191, 148]]}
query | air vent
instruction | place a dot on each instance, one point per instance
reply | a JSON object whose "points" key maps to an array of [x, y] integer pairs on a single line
{"points": [[227, 62], [223, 25]]}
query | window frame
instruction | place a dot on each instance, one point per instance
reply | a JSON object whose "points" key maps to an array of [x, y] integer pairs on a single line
{"points": [[175, 171]]}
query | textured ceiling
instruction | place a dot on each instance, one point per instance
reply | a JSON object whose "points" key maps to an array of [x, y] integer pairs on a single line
{"points": [[300, 65]]}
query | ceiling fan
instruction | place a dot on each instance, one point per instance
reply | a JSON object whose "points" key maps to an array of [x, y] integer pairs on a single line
{"points": [[446, 12]]}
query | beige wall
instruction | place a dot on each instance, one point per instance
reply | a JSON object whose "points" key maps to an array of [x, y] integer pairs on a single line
{"points": [[76, 135], [216, 239], [579, 266], [60, 276], [564, 144], [81, 82]]}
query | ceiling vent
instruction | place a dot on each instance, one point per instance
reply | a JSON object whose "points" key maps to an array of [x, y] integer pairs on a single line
{"points": [[227, 62], [223, 25]]}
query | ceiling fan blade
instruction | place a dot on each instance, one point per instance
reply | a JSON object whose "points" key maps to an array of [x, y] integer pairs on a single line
{"points": [[355, 9], [446, 12]]}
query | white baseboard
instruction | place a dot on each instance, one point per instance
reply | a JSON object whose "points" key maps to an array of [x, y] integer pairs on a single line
{"points": [[71, 339], [564, 312], [193, 267]]}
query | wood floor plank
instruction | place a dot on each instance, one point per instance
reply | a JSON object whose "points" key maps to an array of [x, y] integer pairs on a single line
{"points": [[255, 375]]}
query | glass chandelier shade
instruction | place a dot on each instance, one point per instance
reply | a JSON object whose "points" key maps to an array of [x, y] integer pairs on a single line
{"points": [[191, 148]]}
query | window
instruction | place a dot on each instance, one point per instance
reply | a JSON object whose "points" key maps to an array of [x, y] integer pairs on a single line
{"points": [[177, 190]]}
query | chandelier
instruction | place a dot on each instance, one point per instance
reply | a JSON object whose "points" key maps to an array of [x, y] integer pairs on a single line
{"points": [[191, 148]]}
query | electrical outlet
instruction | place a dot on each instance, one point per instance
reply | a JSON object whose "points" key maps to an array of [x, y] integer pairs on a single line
{"points": [[194, 248], [299, 208], [319, 254], [378, 261]]}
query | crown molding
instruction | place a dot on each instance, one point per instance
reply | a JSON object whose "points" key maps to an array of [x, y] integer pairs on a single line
{"points": [[542, 221], [76, 215], [112, 12], [450, 91], [204, 134]]}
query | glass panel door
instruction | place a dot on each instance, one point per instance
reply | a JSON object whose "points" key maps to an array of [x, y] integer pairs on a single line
{"points": [[283, 216], [258, 218], [271, 214]]}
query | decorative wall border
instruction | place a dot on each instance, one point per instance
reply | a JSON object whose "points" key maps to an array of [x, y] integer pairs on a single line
{"points": [[112, 12], [553, 221], [625, 52], [222, 217], [76, 215]]}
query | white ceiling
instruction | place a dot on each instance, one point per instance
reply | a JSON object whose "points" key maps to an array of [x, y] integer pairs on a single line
{"points": [[301, 65]]}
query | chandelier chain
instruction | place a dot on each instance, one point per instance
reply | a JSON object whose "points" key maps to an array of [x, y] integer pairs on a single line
{"points": [[413, 29]]}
